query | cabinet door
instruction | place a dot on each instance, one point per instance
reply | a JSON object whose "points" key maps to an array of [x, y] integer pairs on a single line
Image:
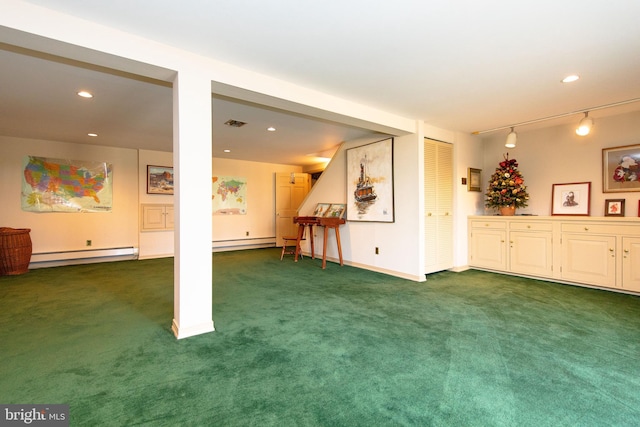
{"points": [[631, 263], [488, 249], [531, 253], [589, 259], [168, 217], [153, 217]]}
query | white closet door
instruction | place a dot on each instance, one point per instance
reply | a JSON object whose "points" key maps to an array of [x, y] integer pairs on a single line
{"points": [[438, 205]]}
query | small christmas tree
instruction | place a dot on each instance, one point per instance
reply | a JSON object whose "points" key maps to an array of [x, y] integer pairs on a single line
{"points": [[506, 187]]}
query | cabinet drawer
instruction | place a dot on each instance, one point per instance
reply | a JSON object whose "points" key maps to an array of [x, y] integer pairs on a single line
{"points": [[531, 226], [492, 225], [587, 228]]}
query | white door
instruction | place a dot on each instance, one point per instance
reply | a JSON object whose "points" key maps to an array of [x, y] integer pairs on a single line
{"points": [[291, 189], [438, 205]]}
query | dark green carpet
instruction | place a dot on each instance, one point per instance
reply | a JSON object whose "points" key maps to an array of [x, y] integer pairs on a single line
{"points": [[299, 346]]}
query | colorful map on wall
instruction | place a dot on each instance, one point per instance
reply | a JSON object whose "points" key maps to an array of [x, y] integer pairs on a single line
{"points": [[229, 195], [55, 185]]}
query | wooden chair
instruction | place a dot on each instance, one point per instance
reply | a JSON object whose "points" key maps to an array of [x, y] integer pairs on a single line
{"points": [[292, 241]]}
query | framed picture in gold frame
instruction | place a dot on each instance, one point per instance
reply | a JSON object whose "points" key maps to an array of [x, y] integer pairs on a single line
{"points": [[621, 169], [474, 180]]}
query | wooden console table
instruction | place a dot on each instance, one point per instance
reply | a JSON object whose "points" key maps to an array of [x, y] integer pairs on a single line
{"points": [[327, 223]]}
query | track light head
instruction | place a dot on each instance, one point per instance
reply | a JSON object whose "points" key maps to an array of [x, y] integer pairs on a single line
{"points": [[585, 125], [511, 139]]}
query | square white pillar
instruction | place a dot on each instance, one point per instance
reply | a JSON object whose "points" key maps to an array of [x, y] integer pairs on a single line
{"points": [[193, 265]]}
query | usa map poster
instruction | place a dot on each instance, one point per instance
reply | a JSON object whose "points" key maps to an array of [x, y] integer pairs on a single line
{"points": [[56, 185]]}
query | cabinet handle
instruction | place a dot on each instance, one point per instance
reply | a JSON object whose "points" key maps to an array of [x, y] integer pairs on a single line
{"points": [[429, 214], [501, 241], [528, 226], [586, 229], [626, 251]]}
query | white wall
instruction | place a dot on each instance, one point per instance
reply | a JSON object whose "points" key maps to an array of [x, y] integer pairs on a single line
{"points": [[398, 242], [260, 219], [154, 244], [556, 155], [228, 230], [60, 231]]}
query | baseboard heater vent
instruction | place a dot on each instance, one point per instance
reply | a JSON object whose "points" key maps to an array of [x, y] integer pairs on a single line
{"points": [[54, 259], [237, 244]]}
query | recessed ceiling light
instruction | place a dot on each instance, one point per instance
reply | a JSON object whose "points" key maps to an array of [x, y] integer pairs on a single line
{"points": [[85, 94], [271, 129], [227, 151], [92, 134], [571, 78]]}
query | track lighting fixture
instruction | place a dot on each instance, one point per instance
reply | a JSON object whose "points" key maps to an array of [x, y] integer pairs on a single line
{"points": [[585, 125], [511, 139]]}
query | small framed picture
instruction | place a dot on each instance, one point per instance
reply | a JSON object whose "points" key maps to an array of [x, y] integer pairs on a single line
{"points": [[159, 179], [321, 209], [474, 180], [336, 210], [571, 199], [614, 207]]}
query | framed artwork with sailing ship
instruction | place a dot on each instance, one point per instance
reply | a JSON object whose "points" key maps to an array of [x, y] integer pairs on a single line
{"points": [[370, 182]]}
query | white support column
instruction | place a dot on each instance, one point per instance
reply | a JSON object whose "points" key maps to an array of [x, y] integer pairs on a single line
{"points": [[193, 266]]}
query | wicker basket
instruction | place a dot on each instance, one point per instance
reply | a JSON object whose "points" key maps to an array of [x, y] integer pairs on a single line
{"points": [[15, 250]]}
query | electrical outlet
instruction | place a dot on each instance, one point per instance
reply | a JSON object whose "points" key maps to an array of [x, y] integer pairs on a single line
{"points": [[377, 251], [247, 233], [88, 242]]}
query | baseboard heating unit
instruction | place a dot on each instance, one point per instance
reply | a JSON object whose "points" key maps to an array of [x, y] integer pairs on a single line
{"points": [[238, 244], [55, 259]]}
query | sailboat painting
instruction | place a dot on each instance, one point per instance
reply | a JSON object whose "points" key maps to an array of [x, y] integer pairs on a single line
{"points": [[370, 182]]}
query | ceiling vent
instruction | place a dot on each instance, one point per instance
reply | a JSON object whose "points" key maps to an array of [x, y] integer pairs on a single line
{"points": [[234, 123]]}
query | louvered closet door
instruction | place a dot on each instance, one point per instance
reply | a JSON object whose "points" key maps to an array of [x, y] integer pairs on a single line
{"points": [[438, 205]]}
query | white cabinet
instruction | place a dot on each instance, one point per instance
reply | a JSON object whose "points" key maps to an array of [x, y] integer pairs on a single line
{"points": [[589, 259], [156, 217], [631, 263], [438, 205], [602, 252], [513, 246], [531, 253], [487, 245]]}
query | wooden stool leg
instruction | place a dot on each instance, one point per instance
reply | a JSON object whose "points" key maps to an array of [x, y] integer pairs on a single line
{"points": [[324, 248], [339, 245]]}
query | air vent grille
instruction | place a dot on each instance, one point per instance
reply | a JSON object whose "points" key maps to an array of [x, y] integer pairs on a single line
{"points": [[235, 123]]}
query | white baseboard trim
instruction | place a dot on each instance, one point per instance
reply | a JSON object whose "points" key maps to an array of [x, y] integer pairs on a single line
{"points": [[184, 332]]}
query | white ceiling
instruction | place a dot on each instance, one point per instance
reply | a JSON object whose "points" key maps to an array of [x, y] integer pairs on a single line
{"points": [[461, 65]]}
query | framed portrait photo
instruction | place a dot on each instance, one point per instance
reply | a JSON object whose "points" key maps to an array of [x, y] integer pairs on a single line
{"points": [[621, 169], [614, 207], [571, 199]]}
